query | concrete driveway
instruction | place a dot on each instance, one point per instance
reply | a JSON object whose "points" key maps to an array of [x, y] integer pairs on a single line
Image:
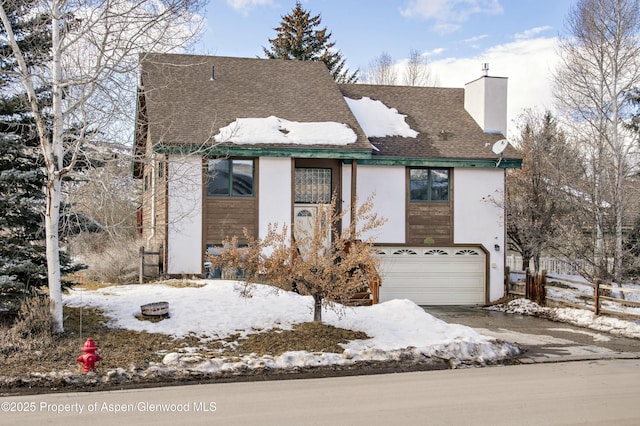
{"points": [[543, 340]]}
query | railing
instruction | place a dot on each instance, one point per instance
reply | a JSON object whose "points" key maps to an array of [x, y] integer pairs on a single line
{"points": [[554, 265]]}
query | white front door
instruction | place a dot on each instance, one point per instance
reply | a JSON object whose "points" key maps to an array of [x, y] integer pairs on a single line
{"points": [[305, 216]]}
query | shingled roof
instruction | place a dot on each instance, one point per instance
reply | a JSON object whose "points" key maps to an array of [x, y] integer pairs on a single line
{"points": [[446, 130], [185, 100], [188, 98]]}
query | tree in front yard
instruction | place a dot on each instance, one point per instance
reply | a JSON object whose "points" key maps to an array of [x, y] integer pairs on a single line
{"points": [[331, 270], [23, 262], [91, 50]]}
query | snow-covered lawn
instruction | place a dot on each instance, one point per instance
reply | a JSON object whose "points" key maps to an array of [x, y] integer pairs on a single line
{"points": [[579, 317], [214, 309]]}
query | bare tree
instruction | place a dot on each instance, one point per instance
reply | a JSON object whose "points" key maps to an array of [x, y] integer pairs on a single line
{"points": [[600, 65], [417, 72], [330, 270], [540, 196], [382, 71], [94, 51]]}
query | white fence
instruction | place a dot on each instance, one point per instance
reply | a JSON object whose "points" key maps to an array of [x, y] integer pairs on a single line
{"points": [[554, 265]]}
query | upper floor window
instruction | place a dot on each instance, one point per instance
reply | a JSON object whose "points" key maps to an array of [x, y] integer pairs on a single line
{"points": [[312, 185], [427, 184], [231, 177]]}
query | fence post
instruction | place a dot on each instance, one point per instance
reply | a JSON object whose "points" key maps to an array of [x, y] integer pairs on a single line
{"points": [[507, 280], [543, 289], [596, 298], [141, 280]]}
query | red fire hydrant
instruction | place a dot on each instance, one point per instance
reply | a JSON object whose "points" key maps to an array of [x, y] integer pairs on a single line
{"points": [[89, 356]]}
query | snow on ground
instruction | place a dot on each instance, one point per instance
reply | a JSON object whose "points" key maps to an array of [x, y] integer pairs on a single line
{"points": [[579, 317], [214, 309]]}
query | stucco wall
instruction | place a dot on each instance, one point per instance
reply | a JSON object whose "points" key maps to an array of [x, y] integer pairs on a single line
{"points": [[486, 100], [479, 218], [184, 215], [274, 193], [388, 184]]}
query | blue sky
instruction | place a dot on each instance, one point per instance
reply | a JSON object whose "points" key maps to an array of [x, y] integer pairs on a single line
{"points": [[517, 38]]}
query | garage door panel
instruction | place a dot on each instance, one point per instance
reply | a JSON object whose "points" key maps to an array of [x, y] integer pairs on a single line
{"points": [[433, 276]]}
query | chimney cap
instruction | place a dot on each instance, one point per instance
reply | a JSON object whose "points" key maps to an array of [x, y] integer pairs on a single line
{"points": [[485, 69]]}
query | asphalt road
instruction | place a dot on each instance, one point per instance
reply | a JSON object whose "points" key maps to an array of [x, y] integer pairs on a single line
{"points": [[586, 392], [543, 340]]}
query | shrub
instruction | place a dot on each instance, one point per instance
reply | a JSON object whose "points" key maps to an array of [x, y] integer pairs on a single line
{"points": [[32, 329], [331, 270], [109, 260]]}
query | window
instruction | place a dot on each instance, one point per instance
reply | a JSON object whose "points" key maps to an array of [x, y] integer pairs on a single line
{"points": [[429, 184], [312, 185], [230, 177]]}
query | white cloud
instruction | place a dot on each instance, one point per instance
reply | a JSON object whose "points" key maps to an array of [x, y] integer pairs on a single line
{"points": [[450, 14], [435, 52], [476, 38], [527, 34], [244, 6], [529, 65]]}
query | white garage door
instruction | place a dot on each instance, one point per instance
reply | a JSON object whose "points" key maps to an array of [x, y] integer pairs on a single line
{"points": [[433, 276]]}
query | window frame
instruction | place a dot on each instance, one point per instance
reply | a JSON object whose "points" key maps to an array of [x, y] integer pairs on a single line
{"points": [[429, 191], [230, 178]]}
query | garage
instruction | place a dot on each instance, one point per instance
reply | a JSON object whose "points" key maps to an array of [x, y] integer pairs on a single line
{"points": [[433, 276]]}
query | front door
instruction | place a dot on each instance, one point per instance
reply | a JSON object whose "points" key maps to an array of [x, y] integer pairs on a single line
{"points": [[313, 188]]}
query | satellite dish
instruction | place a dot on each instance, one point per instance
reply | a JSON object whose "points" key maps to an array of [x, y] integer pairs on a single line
{"points": [[499, 146]]}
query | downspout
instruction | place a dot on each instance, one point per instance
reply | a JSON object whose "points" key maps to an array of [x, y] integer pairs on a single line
{"points": [[153, 202], [354, 193]]}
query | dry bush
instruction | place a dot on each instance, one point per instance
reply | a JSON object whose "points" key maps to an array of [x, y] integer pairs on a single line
{"points": [[109, 260], [330, 271], [32, 329]]}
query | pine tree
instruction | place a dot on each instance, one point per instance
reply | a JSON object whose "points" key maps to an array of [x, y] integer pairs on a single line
{"points": [[299, 38], [23, 265]]}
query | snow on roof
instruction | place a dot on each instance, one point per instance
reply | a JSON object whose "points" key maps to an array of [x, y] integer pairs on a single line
{"points": [[274, 130], [378, 120]]}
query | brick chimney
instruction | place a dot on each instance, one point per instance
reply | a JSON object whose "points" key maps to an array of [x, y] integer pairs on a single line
{"points": [[485, 99]]}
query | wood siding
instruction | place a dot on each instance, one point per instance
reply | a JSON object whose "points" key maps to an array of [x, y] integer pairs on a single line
{"points": [[227, 216], [429, 222]]}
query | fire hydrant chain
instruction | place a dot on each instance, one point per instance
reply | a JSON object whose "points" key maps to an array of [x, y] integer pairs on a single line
{"points": [[89, 356]]}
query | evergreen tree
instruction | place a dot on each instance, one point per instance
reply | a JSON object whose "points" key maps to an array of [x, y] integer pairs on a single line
{"points": [[299, 37], [23, 265]]}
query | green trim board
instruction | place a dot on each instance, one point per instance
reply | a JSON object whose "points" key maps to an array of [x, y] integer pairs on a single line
{"points": [[239, 151], [364, 157], [443, 162]]}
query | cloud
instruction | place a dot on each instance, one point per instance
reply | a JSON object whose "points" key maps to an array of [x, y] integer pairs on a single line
{"points": [[435, 52], [528, 64], [244, 6], [472, 40], [450, 14], [527, 34]]}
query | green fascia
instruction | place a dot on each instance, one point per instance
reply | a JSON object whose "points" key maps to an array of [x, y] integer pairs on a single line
{"points": [[240, 151], [363, 156], [444, 162]]}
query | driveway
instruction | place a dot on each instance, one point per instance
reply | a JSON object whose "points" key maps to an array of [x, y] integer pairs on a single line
{"points": [[543, 340]]}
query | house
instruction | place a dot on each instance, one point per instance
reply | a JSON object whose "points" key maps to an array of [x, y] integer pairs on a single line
{"points": [[224, 143]]}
